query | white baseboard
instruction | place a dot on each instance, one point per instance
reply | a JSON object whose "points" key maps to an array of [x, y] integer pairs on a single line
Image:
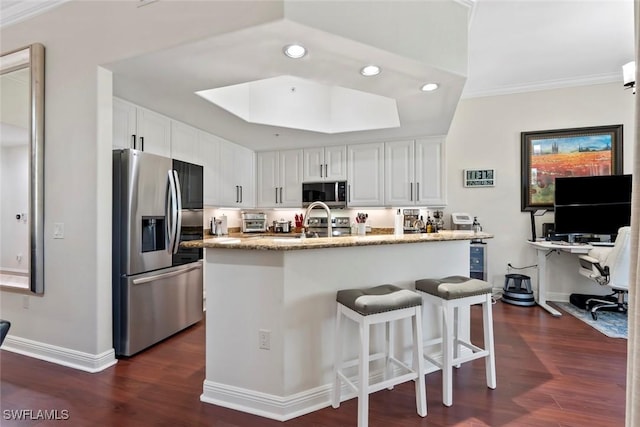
{"points": [[266, 405], [59, 355], [285, 408]]}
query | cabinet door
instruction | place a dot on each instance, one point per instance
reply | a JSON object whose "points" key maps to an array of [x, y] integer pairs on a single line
{"points": [[210, 149], [335, 160], [399, 183], [290, 178], [154, 132], [124, 124], [184, 143], [268, 179], [365, 170], [430, 171], [229, 191], [313, 168], [245, 167]]}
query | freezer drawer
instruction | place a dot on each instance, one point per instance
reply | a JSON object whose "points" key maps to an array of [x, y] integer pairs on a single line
{"points": [[156, 305]]}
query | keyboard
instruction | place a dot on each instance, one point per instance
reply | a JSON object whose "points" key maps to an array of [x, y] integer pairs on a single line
{"points": [[605, 244]]}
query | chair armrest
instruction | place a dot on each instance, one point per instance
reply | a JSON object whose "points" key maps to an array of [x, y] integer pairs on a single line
{"points": [[593, 264]]}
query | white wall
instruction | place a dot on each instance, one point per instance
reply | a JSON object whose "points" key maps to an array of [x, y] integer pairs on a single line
{"points": [[74, 314], [485, 133], [14, 199]]}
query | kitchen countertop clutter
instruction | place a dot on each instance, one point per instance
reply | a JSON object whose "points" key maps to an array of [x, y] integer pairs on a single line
{"points": [[295, 242]]}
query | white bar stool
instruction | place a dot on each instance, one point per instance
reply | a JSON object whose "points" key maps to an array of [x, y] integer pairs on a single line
{"points": [[451, 293], [381, 304]]}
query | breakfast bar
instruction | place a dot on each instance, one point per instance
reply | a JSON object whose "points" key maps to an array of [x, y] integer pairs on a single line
{"points": [[271, 305]]}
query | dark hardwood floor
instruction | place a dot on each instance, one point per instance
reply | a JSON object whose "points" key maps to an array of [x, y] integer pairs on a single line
{"points": [[551, 372]]}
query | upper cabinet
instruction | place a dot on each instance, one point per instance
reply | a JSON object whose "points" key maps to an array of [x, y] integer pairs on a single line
{"points": [[279, 179], [185, 143], [141, 129], [414, 172], [237, 176], [365, 174], [325, 164], [210, 150]]}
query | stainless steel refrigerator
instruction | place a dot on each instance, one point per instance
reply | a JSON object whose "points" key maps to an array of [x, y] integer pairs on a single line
{"points": [[157, 286]]}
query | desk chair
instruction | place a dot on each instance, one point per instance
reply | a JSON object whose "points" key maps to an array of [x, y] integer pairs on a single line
{"points": [[4, 329], [609, 266]]}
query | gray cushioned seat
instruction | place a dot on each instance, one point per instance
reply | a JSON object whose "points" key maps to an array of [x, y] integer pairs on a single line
{"points": [[454, 287], [378, 299]]}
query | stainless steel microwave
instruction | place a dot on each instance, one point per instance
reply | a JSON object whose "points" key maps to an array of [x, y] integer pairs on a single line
{"points": [[333, 193]]}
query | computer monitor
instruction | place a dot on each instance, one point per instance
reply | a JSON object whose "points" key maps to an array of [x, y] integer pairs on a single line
{"points": [[592, 204]]}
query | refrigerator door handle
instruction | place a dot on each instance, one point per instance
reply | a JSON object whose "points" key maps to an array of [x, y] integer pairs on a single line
{"points": [[178, 206], [155, 277], [171, 212]]}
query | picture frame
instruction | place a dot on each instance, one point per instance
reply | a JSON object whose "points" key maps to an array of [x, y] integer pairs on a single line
{"points": [[548, 154]]}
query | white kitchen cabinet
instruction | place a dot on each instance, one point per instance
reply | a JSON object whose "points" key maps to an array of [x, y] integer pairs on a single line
{"points": [[185, 144], [210, 149], [365, 180], [279, 176], [414, 172], [431, 171], [141, 129], [325, 164], [237, 176]]}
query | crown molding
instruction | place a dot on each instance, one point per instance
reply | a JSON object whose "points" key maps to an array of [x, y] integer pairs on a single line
{"points": [[596, 79], [19, 11]]}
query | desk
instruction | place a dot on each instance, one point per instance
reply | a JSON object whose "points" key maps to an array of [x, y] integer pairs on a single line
{"points": [[543, 248]]}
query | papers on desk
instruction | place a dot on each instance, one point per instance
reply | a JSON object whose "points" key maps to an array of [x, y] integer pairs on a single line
{"points": [[605, 244]]}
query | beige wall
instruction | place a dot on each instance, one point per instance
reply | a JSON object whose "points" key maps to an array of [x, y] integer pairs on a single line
{"points": [[485, 133]]}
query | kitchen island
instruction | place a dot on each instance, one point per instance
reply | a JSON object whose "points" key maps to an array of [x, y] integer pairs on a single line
{"points": [[270, 310]]}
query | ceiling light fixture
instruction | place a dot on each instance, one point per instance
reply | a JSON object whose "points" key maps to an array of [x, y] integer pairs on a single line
{"points": [[429, 87], [295, 51], [370, 70], [629, 75]]}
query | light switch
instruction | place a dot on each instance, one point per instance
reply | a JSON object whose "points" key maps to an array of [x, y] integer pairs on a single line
{"points": [[58, 230]]}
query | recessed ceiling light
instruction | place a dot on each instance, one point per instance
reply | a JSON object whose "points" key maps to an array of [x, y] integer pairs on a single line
{"points": [[429, 87], [370, 70], [295, 51]]}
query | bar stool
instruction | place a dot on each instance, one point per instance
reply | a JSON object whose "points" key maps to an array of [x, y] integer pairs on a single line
{"points": [[366, 307], [451, 293]]}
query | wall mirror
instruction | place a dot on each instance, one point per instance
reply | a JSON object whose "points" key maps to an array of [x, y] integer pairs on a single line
{"points": [[22, 170]]}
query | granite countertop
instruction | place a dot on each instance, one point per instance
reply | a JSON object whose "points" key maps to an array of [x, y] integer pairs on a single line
{"points": [[288, 242]]}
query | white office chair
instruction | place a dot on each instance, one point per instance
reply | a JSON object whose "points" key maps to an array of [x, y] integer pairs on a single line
{"points": [[609, 266]]}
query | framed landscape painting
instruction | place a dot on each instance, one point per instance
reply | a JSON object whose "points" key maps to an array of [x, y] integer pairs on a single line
{"points": [[549, 154]]}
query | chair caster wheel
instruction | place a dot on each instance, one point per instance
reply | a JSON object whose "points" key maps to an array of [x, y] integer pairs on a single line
{"points": [[594, 315]]}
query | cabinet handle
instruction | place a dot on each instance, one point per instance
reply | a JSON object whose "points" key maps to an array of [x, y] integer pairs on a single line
{"points": [[417, 191], [348, 193], [411, 191], [320, 170], [133, 137], [280, 194], [241, 194], [142, 143], [276, 188], [326, 171], [237, 194]]}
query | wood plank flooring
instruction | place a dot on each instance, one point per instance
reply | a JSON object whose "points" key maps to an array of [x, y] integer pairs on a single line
{"points": [[551, 372]]}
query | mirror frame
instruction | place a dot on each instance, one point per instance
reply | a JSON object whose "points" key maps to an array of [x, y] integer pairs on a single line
{"points": [[33, 57]]}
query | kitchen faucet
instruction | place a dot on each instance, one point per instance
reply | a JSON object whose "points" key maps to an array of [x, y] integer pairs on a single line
{"points": [[326, 208]]}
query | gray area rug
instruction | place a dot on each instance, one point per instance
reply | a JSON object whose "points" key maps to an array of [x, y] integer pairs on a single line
{"points": [[610, 323]]}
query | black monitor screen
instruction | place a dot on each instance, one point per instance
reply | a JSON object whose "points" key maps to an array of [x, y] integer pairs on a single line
{"points": [[592, 205]]}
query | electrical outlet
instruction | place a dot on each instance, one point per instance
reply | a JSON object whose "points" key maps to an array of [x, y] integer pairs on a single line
{"points": [[58, 230], [264, 339]]}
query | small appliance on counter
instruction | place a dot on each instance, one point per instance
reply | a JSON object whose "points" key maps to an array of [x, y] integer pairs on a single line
{"points": [[254, 222], [438, 219], [282, 226], [410, 218], [341, 226], [219, 226], [461, 221]]}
